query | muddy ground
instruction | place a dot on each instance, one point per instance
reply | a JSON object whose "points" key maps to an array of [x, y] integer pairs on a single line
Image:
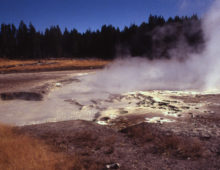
{"points": [[35, 82], [136, 130]]}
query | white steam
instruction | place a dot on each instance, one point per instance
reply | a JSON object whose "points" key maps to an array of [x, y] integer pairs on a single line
{"points": [[211, 28], [198, 71]]}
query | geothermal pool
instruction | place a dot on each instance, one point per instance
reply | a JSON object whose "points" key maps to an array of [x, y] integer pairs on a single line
{"points": [[80, 98]]}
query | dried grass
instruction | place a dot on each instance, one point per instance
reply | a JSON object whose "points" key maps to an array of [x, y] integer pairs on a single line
{"points": [[18, 151], [7, 65], [180, 147], [142, 134], [169, 145]]}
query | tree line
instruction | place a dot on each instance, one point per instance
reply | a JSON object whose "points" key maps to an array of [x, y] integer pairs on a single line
{"points": [[152, 39]]}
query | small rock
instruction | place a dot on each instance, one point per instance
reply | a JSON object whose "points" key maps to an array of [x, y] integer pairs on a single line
{"points": [[113, 166], [102, 123], [58, 84]]}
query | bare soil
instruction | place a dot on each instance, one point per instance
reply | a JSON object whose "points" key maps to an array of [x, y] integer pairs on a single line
{"points": [[142, 146], [35, 82]]}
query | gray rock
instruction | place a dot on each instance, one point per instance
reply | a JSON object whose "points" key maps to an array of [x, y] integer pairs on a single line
{"points": [[113, 166]]}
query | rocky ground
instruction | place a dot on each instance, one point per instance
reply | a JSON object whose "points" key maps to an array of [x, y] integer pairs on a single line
{"points": [[135, 130]]}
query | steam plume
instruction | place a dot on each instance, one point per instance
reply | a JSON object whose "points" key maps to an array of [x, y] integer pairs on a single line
{"points": [[197, 71]]}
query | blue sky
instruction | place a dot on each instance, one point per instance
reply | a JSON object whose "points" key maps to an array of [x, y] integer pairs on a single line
{"points": [[92, 14]]}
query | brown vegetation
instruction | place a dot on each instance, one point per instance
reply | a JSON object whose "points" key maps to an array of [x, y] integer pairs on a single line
{"points": [[183, 148], [138, 146], [18, 151], [91, 143], [7, 65], [167, 144]]}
